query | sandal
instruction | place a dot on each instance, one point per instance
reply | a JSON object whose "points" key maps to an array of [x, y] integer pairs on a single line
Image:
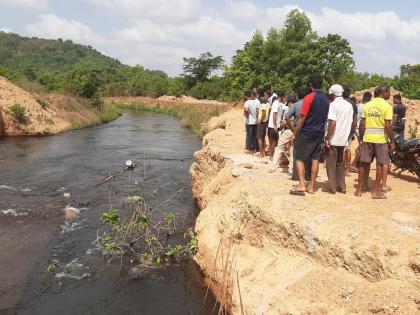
{"points": [[296, 192], [380, 196]]}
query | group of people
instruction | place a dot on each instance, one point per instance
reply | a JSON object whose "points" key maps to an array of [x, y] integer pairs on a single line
{"points": [[315, 126]]}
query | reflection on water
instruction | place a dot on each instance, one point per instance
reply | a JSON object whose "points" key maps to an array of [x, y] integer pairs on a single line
{"points": [[49, 262]]}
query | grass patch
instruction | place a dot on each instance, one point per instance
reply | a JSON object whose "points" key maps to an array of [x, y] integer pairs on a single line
{"points": [[109, 113], [18, 113], [191, 116]]}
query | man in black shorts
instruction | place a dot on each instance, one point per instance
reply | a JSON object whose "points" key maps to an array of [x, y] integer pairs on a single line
{"points": [[309, 134]]}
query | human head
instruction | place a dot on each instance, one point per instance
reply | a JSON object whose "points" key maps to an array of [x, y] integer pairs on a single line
{"points": [[261, 95], [267, 90], [397, 99], [383, 91], [248, 95], [346, 92], [367, 97], [281, 96], [254, 89], [291, 99], [316, 81], [254, 95], [353, 99], [336, 90], [303, 91]]}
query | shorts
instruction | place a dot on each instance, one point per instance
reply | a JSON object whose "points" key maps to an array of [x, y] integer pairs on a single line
{"points": [[273, 135], [369, 150], [308, 147], [262, 130]]}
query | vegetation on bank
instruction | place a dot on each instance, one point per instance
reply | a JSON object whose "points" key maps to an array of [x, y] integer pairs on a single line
{"points": [[190, 115], [283, 57]]}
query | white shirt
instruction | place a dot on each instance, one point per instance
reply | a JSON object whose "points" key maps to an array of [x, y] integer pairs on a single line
{"points": [[275, 108], [360, 108], [272, 97], [341, 112], [251, 106], [282, 113]]}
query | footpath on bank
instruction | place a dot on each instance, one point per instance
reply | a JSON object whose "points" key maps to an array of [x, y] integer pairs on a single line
{"points": [[264, 251]]}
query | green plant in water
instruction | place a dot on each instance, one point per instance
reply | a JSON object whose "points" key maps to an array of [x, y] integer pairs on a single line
{"points": [[111, 217], [109, 244], [170, 220], [18, 112]]}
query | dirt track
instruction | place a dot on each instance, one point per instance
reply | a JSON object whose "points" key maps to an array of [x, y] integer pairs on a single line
{"points": [[269, 252]]}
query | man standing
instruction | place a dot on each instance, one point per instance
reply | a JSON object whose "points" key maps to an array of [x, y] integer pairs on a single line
{"points": [[294, 113], [273, 127], [262, 122], [309, 134], [285, 137], [340, 125], [251, 114], [398, 121], [375, 130]]}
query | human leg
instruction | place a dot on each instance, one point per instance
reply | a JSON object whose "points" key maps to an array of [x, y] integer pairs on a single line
{"points": [[331, 163]]}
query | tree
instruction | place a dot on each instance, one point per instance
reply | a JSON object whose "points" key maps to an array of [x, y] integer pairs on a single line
{"points": [[199, 69]]}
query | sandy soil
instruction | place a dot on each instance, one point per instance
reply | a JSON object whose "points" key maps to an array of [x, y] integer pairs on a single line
{"points": [[60, 114], [265, 251]]}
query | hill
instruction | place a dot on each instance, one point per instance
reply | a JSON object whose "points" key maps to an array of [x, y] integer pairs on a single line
{"points": [[57, 65]]}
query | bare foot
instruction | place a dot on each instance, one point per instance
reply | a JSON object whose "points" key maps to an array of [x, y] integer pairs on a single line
{"points": [[358, 193]]}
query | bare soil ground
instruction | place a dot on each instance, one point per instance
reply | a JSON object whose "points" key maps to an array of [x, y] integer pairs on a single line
{"points": [[265, 251], [44, 113]]}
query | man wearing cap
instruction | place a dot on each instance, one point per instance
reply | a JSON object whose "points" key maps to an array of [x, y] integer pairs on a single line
{"points": [[340, 120]]}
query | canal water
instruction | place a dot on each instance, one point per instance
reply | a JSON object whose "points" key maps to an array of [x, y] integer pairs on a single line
{"points": [[49, 261]]}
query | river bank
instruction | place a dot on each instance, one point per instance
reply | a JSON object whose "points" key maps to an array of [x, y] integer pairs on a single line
{"points": [[264, 251], [192, 113], [23, 113]]}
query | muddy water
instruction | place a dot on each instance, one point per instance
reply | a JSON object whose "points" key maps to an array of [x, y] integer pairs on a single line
{"points": [[49, 264]]}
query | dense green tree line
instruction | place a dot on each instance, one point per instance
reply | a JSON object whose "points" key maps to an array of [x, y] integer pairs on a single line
{"points": [[284, 58]]}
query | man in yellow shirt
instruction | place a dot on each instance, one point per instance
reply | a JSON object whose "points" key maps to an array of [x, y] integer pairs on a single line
{"points": [[375, 132]]}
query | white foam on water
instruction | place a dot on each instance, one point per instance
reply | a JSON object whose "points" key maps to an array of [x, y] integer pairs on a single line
{"points": [[8, 187], [14, 213], [66, 195], [61, 189], [68, 227], [74, 270]]}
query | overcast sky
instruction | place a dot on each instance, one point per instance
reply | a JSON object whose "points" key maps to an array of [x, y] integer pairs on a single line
{"points": [[158, 33]]}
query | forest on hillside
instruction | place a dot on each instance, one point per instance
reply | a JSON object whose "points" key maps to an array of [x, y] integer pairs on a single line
{"points": [[284, 58]]}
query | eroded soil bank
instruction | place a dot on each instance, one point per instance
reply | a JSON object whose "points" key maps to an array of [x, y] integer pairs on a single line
{"points": [[264, 251], [27, 114]]}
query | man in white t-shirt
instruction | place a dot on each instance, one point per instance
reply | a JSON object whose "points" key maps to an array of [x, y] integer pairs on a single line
{"points": [[273, 131], [340, 120], [251, 113]]}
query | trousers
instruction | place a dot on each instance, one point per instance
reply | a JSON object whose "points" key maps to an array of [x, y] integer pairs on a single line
{"points": [[334, 159]]}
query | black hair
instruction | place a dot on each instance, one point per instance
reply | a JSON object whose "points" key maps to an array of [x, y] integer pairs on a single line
{"points": [[316, 81], [381, 90], [397, 97], [280, 93], [367, 96], [261, 92], [267, 88], [291, 98], [248, 94], [346, 92]]}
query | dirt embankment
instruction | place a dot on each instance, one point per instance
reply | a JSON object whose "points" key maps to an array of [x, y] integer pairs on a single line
{"points": [[24, 113], [264, 251]]}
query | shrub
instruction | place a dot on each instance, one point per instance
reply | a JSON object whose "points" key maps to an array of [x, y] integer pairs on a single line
{"points": [[19, 113]]}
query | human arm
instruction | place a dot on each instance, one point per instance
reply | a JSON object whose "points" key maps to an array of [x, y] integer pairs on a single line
{"points": [[362, 128], [390, 132], [331, 129]]}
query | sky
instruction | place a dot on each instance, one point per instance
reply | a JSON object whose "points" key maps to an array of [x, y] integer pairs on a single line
{"points": [[157, 34]]}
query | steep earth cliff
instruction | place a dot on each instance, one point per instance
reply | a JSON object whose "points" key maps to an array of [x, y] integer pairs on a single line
{"points": [[41, 114], [264, 251]]}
